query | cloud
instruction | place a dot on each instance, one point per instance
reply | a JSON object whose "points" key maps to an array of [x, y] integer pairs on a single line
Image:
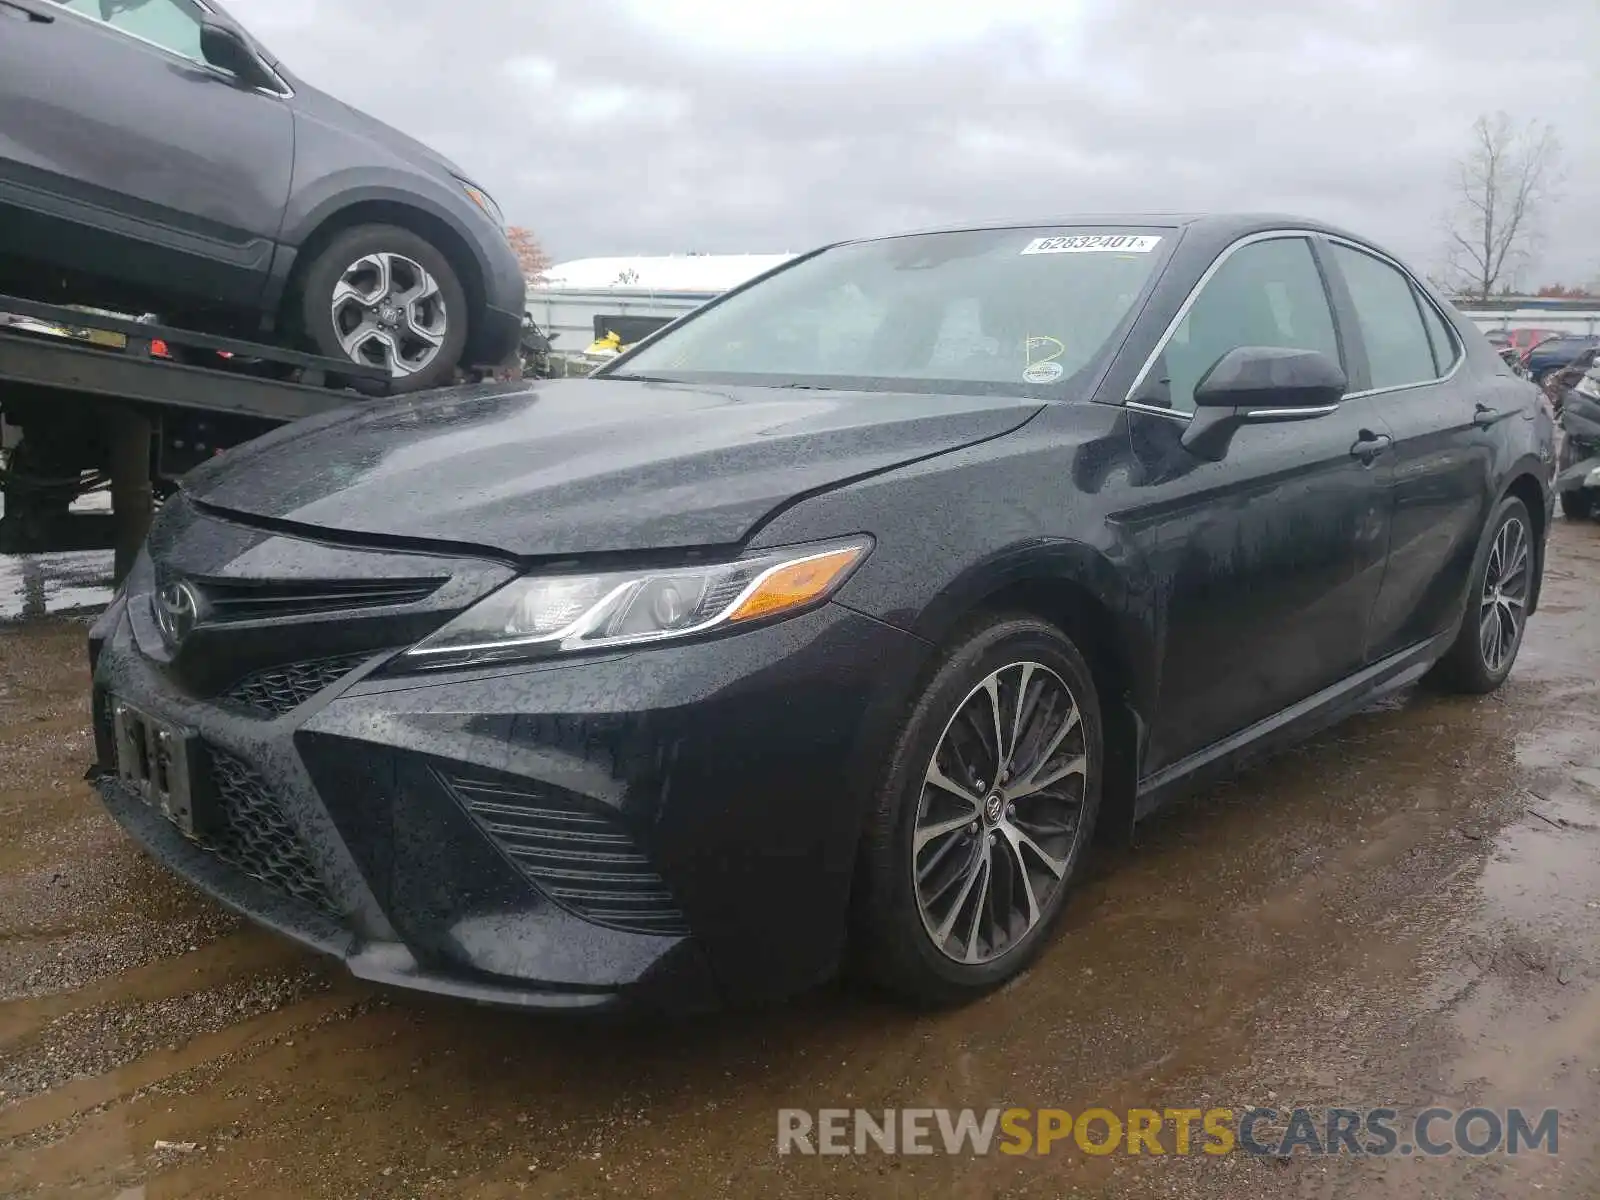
{"points": [[621, 126]]}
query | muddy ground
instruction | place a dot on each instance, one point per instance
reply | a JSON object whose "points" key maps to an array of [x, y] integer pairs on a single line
{"points": [[1405, 911]]}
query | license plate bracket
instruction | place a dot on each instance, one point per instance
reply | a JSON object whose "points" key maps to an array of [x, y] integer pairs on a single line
{"points": [[163, 762]]}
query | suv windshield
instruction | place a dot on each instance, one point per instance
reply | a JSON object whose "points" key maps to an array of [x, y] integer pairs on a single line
{"points": [[1029, 311]]}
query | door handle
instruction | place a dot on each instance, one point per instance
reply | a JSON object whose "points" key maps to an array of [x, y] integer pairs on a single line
{"points": [[1483, 416], [1368, 445], [37, 16]]}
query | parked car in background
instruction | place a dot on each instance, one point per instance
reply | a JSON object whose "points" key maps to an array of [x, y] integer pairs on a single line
{"points": [[1578, 481], [259, 205], [1509, 356], [1556, 354], [1525, 339], [832, 621]]}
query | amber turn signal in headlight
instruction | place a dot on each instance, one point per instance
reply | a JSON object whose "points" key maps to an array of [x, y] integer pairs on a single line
{"points": [[540, 615]]}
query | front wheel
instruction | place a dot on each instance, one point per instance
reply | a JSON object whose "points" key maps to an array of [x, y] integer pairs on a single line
{"points": [[383, 296], [984, 817], [1480, 658]]}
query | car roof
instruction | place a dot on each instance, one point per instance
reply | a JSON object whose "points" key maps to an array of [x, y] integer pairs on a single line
{"points": [[1229, 225]]}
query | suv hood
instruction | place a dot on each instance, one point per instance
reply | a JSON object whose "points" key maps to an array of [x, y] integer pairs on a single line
{"points": [[579, 466], [317, 103]]}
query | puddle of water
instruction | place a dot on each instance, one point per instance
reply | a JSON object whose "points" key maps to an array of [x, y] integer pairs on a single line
{"points": [[34, 585]]}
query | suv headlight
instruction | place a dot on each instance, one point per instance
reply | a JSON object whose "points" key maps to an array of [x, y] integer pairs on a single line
{"points": [[541, 615]]}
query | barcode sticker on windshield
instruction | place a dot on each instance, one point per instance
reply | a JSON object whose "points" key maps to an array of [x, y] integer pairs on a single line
{"points": [[1090, 243]]}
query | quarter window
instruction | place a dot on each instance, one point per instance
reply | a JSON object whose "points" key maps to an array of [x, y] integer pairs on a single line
{"points": [[171, 24], [1445, 348], [1266, 293], [1398, 351]]}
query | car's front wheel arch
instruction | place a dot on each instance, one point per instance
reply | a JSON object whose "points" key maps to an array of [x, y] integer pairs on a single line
{"points": [[430, 228]]}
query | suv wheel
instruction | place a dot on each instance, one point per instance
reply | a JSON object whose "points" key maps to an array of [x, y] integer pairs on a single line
{"points": [[381, 295], [985, 816]]}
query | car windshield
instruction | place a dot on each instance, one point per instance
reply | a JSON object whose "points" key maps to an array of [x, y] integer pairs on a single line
{"points": [[1033, 311]]}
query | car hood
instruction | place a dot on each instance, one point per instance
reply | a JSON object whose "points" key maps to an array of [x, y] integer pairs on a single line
{"points": [[579, 466]]}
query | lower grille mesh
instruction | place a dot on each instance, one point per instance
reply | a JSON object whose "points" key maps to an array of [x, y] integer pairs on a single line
{"points": [[253, 834], [578, 855], [278, 690]]}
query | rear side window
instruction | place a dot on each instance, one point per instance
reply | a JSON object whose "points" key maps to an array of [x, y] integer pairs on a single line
{"points": [[1398, 350], [1445, 347]]}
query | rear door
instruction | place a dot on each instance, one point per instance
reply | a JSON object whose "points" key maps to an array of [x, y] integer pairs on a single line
{"points": [[1266, 564], [122, 153], [1441, 481]]}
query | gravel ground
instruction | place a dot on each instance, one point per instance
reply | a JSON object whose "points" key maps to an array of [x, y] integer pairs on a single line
{"points": [[1405, 911]]}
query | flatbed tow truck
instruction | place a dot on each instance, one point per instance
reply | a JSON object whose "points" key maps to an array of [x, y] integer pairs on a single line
{"points": [[87, 398]]}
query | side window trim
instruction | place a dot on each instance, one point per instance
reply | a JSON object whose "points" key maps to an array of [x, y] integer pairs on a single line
{"points": [[1309, 236], [283, 91], [134, 37], [1419, 297]]}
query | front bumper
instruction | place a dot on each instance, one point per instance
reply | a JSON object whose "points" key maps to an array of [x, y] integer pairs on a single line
{"points": [[494, 337], [670, 829], [1578, 475]]}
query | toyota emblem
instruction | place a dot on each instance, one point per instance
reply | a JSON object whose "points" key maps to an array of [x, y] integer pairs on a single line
{"points": [[177, 609]]}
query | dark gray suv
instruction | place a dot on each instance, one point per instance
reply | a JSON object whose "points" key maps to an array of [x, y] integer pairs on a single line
{"points": [[154, 156]]}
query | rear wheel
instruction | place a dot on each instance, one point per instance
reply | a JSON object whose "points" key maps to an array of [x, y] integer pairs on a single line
{"points": [[383, 296], [1497, 609], [1577, 504], [985, 815]]}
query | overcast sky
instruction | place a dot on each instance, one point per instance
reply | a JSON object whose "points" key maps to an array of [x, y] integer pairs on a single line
{"points": [[652, 126]]}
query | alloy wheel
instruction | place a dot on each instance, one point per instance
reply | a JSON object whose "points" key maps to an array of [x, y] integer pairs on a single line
{"points": [[389, 312], [1508, 576], [1000, 813]]}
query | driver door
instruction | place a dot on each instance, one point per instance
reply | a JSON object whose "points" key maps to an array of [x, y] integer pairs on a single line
{"points": [[1265, 564], [124, 154]]}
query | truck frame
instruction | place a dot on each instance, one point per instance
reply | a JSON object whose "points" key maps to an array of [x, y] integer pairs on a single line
{"points": [[137, 404]]}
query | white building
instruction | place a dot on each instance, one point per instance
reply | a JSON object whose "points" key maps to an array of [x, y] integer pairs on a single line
{"points": [[579, 301]]}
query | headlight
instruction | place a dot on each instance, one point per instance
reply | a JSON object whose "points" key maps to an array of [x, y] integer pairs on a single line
{"points": [[484, 201], [1588, 386], [541, 615]]}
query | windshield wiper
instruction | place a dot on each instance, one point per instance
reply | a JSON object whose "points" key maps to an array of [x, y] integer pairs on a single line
{"points": [[637, 378]]}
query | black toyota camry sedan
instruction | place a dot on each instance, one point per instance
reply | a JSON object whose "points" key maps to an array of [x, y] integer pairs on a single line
{"points": [[834, 623]]}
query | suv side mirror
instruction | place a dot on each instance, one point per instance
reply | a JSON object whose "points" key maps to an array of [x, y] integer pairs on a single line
{"points": [[1252, 385], [226, 49]]}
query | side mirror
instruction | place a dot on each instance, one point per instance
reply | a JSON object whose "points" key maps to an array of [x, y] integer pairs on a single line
{"points": [[1253, 385], [226, 49]]}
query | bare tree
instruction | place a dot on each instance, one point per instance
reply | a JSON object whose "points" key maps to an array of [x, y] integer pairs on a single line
{"points": [[1502, 186], [530, 254]]}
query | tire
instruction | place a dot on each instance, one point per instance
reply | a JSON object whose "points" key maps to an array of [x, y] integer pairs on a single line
{"points": [[896, 939], [439, 311], [1577, 505], [1468, 666]]}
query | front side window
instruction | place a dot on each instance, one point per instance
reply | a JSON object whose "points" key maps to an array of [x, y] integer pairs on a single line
{"points": [[1398, 351], [171, 24], [1001, 311], [1266, 293]]}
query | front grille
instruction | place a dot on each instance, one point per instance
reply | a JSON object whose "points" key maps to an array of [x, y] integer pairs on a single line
{"points": [[237, 600], [578, 855], [278, 690], [252, 834]]}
